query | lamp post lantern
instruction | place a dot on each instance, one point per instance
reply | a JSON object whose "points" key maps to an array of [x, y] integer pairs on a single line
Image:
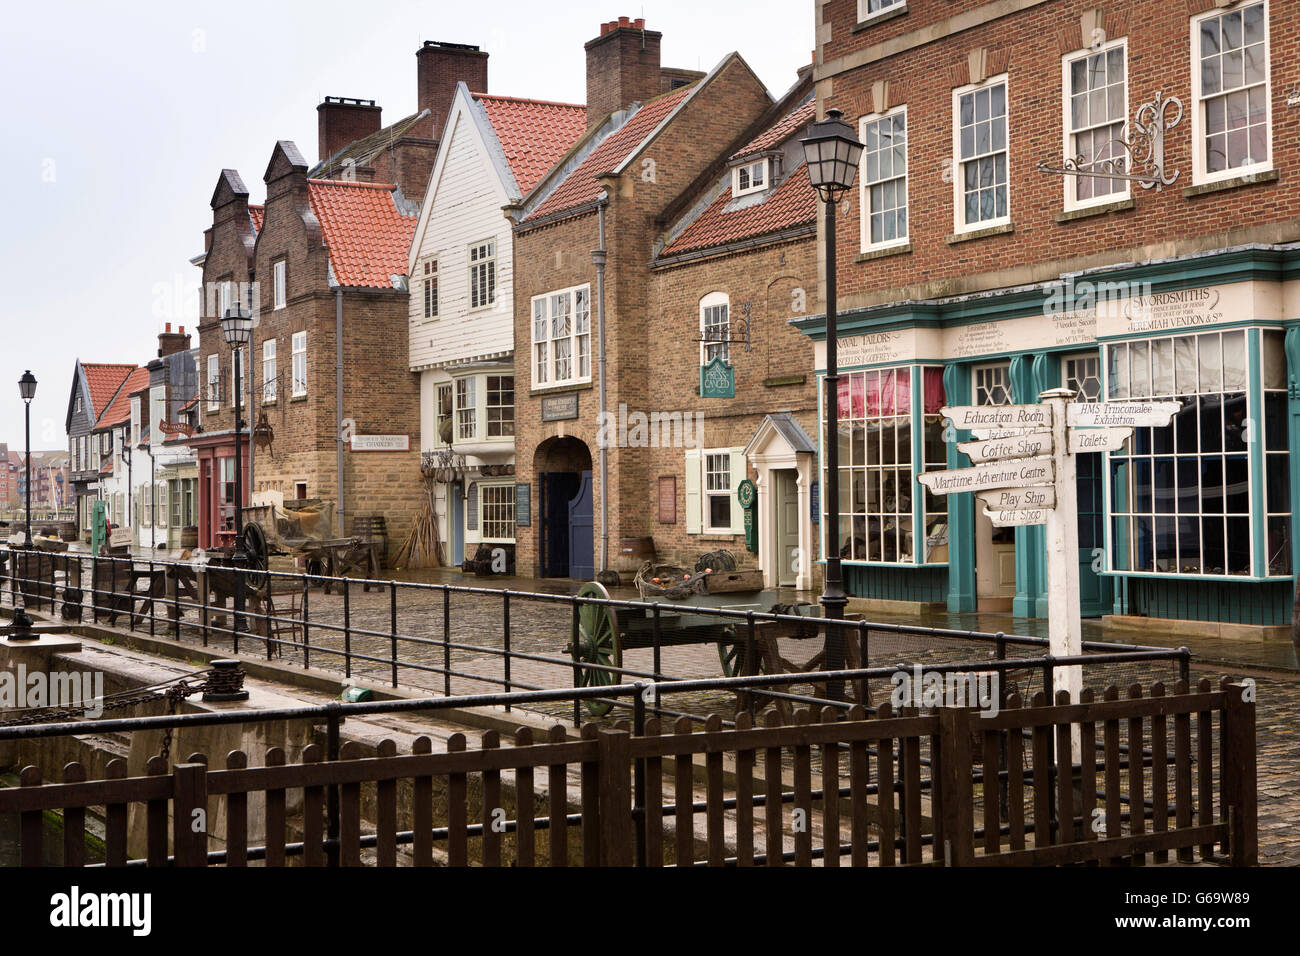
{"points": [[27, 388], [832, 152], [237, 327]]}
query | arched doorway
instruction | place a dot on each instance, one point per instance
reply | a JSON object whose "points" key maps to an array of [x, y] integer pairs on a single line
{"points": [[566, 542]]}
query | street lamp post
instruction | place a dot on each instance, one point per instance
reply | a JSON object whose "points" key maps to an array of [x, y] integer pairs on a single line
{"points": [[27, 388], [237, 327], [832, 152]]}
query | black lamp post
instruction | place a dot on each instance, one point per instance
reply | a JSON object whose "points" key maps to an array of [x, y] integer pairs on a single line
{"points": [[27, 388], [832, 153], [237, 327]]}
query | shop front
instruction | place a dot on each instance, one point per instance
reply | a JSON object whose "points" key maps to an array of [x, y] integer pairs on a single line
{"points": [[1186, 523], [215, 469]]}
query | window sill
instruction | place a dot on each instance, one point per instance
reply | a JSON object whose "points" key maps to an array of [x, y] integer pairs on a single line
{"points": [[556, 389], [298, 398], [1205, 189], [1003, 230], [882, 253], [880, 16], [1087, 212]]}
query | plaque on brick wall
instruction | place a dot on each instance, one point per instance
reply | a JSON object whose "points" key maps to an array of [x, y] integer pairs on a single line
{"points": [[558, 408], [471, 507], [668, 499], [523, 504]]}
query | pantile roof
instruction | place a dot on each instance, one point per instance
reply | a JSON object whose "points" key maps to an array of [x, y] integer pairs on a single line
{"points": [[119, 410], [257, 214], [793, 203], [534, 134], [104, 381], [582, 186], [778, 134], [367, 235]]}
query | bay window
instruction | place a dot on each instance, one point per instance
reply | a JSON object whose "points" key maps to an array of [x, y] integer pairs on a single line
{"points": [[1182, 499], [500, 406], [466, 409], [881, 453]]}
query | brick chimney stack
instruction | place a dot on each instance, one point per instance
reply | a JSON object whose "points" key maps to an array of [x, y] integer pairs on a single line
{"points": [[622, 67], [170, 342], [341, 120], [440, 66]]}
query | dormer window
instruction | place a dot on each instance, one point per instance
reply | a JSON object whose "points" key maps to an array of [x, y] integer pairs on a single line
{"points": [[750, 178]]}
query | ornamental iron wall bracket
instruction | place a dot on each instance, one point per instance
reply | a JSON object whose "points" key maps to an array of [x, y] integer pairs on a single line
{"points": [[739, 326], [1143, 161]]}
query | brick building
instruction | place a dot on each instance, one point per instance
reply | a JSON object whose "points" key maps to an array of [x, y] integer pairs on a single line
{"points": [[322, 265], [647, 143], [94, 387], [976, 276]]}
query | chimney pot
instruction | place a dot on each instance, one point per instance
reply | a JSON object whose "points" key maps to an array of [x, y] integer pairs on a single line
{"points": [[440, 66], [341, 120], [624, 22], [622, 67]]}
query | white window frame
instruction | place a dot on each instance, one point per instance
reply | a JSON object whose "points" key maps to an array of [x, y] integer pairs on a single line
{"points": [[268, 372], [298, 357], [488, 261], [1003, 370], [237, 386], [706, 525], [866, 15], [135, 421], [157, 413], [1200, 175], [279, 271], [438, 416], [764, 169], [465, 405], [958, 180], [429, 290], [864, 186], [483, 504], [488, 407], [574, 338], [214, 382], [715, 300], [1068, 133]]}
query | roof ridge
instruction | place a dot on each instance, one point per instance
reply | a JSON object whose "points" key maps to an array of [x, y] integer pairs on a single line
{"points": [[349, 182], [527, 99]]}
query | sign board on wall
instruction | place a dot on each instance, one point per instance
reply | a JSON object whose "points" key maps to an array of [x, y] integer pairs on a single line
{"points": [[523, 504], [558, 408], [381, 442]]}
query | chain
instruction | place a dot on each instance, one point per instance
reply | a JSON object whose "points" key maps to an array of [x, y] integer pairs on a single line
{"points": [[175, 694]]}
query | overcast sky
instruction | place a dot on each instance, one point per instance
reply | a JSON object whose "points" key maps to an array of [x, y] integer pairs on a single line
{"points": [[119, 117]]}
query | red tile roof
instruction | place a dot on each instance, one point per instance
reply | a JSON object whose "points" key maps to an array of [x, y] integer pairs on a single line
{"points": [[581, 185], [257, 214], [793, 203], [120, 409], [367, 235], [534, 134], [104, 381], [773, 137]]}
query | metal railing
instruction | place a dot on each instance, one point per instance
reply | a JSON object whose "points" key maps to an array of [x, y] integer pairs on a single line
{"points": [[429, 649]]}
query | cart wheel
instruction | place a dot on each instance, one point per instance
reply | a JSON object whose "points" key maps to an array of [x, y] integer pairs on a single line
{"points": [[731, 653], [596, 642]]}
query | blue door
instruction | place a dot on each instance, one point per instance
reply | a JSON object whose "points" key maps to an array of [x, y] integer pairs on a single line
{"points": [[582, 560], [457, 557], [1094, 589]]}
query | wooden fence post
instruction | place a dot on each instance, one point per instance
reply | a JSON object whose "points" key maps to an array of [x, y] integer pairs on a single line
{"points": [[1239, 773], [615, 769], [955, 803], [190, 814]]}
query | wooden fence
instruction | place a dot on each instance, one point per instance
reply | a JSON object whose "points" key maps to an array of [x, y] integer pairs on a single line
{"points": [[886, 790]]}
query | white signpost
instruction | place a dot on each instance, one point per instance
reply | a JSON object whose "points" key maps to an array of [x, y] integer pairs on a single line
{"points": [[1025, 475]]}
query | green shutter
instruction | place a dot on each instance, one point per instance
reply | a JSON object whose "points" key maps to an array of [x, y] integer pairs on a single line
{"points": [[739, 472]]}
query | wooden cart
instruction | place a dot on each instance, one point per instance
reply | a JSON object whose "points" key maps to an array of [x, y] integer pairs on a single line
{"points": [[602, 632]]}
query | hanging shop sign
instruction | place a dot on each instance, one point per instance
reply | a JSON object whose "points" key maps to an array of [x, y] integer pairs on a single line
{"points": [[747, 495], [176, 428], [717, 379]]}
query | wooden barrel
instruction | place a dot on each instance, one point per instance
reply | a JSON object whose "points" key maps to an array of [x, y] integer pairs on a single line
{"points": [[373, 528], [633, 552]]}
